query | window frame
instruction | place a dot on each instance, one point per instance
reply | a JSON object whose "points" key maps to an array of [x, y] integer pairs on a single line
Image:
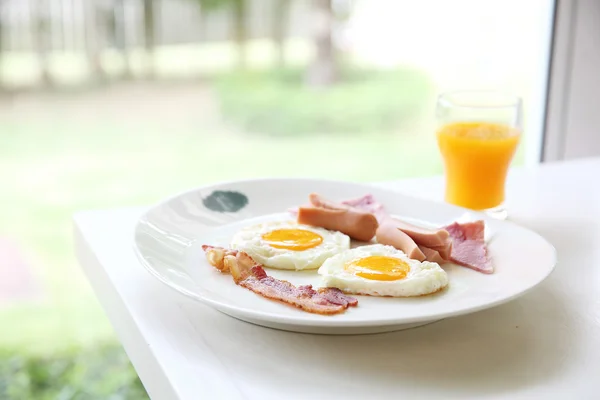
{"points": [[539, 108], [570, 115]]}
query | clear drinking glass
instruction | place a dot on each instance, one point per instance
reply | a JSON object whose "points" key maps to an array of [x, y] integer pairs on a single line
{"points": [[477, 134]]}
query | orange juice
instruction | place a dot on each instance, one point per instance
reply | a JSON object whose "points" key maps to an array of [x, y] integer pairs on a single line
{"points": [[476, 159]]}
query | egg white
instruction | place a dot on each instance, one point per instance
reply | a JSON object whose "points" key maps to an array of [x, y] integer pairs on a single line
{"points": [[423, 278], [250, 240]]}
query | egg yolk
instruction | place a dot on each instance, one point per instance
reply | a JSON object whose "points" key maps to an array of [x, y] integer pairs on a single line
{"points": [[292, 239], [378, 268]]}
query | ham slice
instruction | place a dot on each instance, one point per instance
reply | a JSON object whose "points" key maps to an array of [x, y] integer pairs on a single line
{"points": [[468, 246], [390, 235], [246, 273], [358, 224]]}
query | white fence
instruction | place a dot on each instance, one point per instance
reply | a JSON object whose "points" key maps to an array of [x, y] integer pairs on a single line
{"points": [[70, 25]]}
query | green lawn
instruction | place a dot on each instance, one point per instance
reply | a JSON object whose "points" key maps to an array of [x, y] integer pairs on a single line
{"points": [[174, 61], [98, 373]]}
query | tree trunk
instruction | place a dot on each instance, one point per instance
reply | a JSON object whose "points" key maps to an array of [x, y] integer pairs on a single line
{"points": [[239, 31], [93, 40], [41, 36], [1, 52], [324, 69], [280, 20], [149, 36], [120, 37]]}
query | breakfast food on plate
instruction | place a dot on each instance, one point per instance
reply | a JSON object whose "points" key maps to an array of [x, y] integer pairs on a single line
{"points": [[248, 274], [432, 255], [445, 249], [405, 261], [358, 224], [369, 204], [427, 237], [419, 243], [468, 246], [289, 245], [380, 270], [389, 234], [365, 203]]}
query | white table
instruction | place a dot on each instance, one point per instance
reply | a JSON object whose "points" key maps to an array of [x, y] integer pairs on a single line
{"points": [[545, 344]]}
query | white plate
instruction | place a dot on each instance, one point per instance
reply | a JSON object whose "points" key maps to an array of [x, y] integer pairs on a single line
{"points": [[168, 239]]}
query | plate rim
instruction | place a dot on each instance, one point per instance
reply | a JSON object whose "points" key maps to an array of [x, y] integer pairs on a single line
{"points": [[328, 321]]}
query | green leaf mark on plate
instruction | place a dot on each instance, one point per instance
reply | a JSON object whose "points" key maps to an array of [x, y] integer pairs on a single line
{"points": [[222, 201]]}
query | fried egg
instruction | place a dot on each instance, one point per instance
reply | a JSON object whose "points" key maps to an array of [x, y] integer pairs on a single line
{"points": [[380, 270], [289, 245]]}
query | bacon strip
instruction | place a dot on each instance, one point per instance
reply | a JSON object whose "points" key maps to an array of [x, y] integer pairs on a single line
{"points": [[248, 274], [216, 256]]}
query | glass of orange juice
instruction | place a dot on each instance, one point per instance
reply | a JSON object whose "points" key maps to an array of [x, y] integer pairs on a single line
{"points": [[478, 133]]}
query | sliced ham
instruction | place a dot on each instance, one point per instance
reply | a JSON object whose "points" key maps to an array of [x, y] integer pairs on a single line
{"points": [[468, 246], [388, 234], [358, 224], [432, 255]]}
